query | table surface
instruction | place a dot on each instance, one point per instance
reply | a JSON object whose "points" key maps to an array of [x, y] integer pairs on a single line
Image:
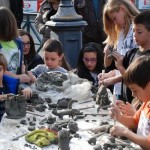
{"points": [[10, 128]]}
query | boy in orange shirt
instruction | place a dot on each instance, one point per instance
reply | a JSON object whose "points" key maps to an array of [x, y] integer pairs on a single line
{"points": [[137, 78]]}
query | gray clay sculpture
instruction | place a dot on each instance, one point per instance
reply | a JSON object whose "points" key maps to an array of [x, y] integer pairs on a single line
{"points": [[63, 140], [15, 106], [102, 96]]}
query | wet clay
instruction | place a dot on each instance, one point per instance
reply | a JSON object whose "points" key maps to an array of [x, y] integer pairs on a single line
{"points": [[63, 140], [15, 106]]}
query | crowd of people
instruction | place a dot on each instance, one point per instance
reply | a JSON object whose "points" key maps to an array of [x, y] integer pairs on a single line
{"points": [[115, 40]]}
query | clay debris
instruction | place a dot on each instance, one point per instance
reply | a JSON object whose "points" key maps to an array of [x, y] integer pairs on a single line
{"points": [[50, 80]]}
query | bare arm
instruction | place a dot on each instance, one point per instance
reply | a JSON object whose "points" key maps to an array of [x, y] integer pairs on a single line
{"points": [[22, 77], [127, 121], [109, 78], [138, 139], [119, 62], [107, 60]]}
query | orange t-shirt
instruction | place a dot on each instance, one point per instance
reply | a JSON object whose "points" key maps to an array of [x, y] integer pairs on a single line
{"points": [[142, 120]]}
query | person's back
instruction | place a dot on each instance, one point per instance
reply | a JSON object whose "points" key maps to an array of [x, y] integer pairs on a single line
{"points": [[16, 7], [92, 13]]}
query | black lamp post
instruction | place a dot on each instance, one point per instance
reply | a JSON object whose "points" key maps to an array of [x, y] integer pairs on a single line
{"points": [[66, 26]]}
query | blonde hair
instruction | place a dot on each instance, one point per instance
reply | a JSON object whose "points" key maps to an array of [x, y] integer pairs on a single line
{"points": [[110, 28], [3, 61]]}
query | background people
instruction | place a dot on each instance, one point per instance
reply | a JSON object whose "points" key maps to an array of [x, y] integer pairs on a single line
{"points": [[48, 8], [16, 7], [92, 13], [31, 57]]}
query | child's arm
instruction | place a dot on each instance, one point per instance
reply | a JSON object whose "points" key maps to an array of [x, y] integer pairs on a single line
{"points": [[126, 108], [119, 62], [27, 92], [107, 60], [22, 77], [127, 121], [111, 80], [3, 97], [143, 141], [32, 77]]}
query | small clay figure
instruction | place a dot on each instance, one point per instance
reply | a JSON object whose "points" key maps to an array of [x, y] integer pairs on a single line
{"points": [[40, 107], [73, 126], [63, 140], [102, 96], [31, 128], [63, 103]]}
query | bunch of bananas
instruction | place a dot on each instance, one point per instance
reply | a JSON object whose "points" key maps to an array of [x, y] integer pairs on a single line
{"points": [[42, 137]]}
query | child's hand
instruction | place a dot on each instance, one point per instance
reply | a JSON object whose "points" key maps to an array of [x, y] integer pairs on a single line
{"points": [[127, 109], [118, 130], [32, 77], [23, 78], [27, 93], [115, 112], [118, 59]]}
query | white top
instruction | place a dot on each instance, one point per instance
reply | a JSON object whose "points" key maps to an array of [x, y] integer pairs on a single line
{"points": [[124, 45]]}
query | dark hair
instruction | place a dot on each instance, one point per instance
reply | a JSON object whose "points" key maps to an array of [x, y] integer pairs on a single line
{"points": [[32, 51], [52, 45], [92, 47], [8, 25], [3, 61], [144, 19], [138, 72]]}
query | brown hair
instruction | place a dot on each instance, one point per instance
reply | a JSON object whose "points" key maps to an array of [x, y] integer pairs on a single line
{"points": [[8, 25], [138, 72]]}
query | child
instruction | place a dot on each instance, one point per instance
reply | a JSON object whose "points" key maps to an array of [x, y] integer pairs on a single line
{"points": [[137, 77], [141, 34], [90, 62], [53, 54], [117, 18], [11, 45], [8, 85]]}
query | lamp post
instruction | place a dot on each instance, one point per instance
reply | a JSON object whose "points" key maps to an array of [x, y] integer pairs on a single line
{"points": [[66, 26]]}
